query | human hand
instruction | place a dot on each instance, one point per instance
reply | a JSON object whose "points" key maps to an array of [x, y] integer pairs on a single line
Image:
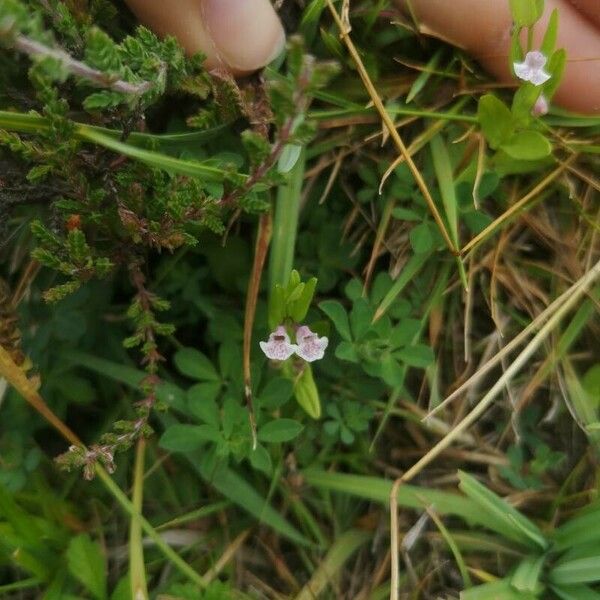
{"points": [[239, 35], [483, 28]]}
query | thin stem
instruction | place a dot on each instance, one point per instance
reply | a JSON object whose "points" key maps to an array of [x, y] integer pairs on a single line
{"points": [[263, 238], [36, 49], [137, 569]]}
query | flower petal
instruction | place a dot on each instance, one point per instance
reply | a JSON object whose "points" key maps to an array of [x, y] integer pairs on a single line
{"points": [[278, 346], [310, 346], [522, 70], [539, 77], [535, 59]]}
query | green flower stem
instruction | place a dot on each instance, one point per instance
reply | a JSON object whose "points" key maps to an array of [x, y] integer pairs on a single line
{"points": [[285, 225]]}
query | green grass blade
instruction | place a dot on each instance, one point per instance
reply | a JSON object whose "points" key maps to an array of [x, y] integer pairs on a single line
{"points": [[414, 264], [158, 160], [513, 525], [341, 550]]}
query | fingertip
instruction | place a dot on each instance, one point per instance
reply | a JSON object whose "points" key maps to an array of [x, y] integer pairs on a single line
{"points": [[247, 34], [239, 35]]}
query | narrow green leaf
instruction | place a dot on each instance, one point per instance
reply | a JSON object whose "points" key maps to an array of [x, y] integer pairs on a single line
{"points": [[526, 12], [526, 578], [411, 268], [88, 565], [299, 308], [498, 590], [443, 170], [507, 520], [549, 41], [421, 81], [575, 592], [581, 570], [279, 430], [160, 161]]}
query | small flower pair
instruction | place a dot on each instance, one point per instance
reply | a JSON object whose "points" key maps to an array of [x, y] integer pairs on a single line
{"points": [[309, 345]]}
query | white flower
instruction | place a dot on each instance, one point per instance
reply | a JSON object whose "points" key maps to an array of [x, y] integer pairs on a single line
{"points": [[532, 68], [310, 346], [278, 347], [540, 108]]}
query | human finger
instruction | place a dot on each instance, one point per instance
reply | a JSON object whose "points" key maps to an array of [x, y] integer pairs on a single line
{"points": [[239, 35], [483, 28]]}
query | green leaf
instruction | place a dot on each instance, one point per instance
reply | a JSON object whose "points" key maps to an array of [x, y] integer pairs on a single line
{"points": [[299, 308], [279, 430], [556, 68], [591, 384], [88, 565], [289, 157], [495, 119], [445, 177], [194, 364], [526, 12], [504, 519], [523, 102], [411, 268], [347, 351], [418, 355], [498, 590], [526, 578], [260, 459], [202, 402], [549, 41], [405, 332], [575, 592], [361, 317], [527, 145], [307, 393], [276, 307], [185, 438], [421, 239], [275, 394], [405, 214], [390, 370], [580, 570], [205, 172], [337, 313]]}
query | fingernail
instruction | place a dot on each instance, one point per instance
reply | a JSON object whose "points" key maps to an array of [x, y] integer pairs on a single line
{"points": [[247, 34]]}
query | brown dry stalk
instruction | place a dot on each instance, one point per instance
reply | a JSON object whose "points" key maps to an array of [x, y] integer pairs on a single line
{"points": [[265, 226], [28, 389]]}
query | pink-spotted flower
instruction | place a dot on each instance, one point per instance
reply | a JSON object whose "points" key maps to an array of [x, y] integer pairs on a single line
{"points": [[532, 68], [540, 108], [278, 347], [310, 346]]}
